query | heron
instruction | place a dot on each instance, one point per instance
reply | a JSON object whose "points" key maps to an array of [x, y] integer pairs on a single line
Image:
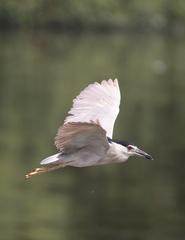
{"points": [[85, 139]]}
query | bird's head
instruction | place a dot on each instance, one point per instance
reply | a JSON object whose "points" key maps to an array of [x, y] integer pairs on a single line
{"points": [[131, 150]]}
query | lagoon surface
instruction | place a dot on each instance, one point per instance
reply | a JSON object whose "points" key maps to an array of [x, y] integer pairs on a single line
{"points": [[40, 74]]}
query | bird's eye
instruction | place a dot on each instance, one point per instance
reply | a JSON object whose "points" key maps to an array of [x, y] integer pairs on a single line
{"points": [[129, 147]]}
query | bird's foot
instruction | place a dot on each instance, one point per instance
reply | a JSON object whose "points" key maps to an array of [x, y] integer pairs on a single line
{"points": [[44, 169]]}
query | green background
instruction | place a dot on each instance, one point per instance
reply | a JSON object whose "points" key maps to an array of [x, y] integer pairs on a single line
{"points": [[41, 71]]}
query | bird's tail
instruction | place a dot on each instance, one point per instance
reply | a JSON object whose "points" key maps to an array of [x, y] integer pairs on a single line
{"points": [[44, 169]]}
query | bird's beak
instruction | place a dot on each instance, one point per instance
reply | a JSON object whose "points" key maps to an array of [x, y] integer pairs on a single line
{"points": [[142, 153]]}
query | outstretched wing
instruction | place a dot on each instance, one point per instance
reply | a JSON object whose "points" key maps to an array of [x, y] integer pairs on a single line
{"points": [[98, 101]]}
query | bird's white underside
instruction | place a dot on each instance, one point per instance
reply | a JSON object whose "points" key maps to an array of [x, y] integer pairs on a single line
{"points": [[115, 154]]}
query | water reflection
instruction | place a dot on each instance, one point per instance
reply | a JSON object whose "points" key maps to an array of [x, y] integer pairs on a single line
{"points": [[39, 76]]}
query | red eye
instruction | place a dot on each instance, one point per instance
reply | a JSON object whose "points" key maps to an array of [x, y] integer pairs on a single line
{"points": [[129, 147]]}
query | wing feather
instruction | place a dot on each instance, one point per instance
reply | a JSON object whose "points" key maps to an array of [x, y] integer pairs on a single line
{"points": [[98, 101], [75, 136], [83, 143]]}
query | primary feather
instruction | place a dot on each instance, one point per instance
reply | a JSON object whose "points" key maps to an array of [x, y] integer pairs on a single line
{"points": [[98, 101]]}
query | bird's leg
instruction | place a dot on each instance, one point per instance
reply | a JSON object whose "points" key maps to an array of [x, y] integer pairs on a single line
{"points": [[43, 169]]}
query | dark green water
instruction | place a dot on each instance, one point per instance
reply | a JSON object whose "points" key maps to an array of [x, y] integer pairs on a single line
{"points": [[40, 74]]}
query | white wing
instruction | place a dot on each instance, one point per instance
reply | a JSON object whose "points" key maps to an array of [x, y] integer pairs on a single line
{"points": [[98, 101]]}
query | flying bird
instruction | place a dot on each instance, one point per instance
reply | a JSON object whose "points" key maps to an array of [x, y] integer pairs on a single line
{"points": [[85, 139]]}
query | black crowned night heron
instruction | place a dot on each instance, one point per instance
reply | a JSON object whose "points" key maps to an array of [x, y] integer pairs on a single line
{"points": [[85, 139]]}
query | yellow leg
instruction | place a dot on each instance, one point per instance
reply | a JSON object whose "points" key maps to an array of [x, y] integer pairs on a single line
{"points": [[44, 169]]}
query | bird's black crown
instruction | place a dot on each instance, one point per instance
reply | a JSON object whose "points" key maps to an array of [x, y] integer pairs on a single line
{"points": [[121, 142]]}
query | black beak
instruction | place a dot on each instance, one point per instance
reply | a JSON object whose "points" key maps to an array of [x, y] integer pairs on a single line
{"points": [[144, 154]]}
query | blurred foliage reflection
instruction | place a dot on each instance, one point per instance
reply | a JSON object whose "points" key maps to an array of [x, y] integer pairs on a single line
{"points": [[39, 76], [95, 15]]}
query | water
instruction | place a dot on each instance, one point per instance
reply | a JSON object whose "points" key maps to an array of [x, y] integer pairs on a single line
{"points": [[40, 74]]}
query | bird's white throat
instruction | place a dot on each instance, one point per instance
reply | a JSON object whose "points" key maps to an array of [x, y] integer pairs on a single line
{"points": [[115, 153]]}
